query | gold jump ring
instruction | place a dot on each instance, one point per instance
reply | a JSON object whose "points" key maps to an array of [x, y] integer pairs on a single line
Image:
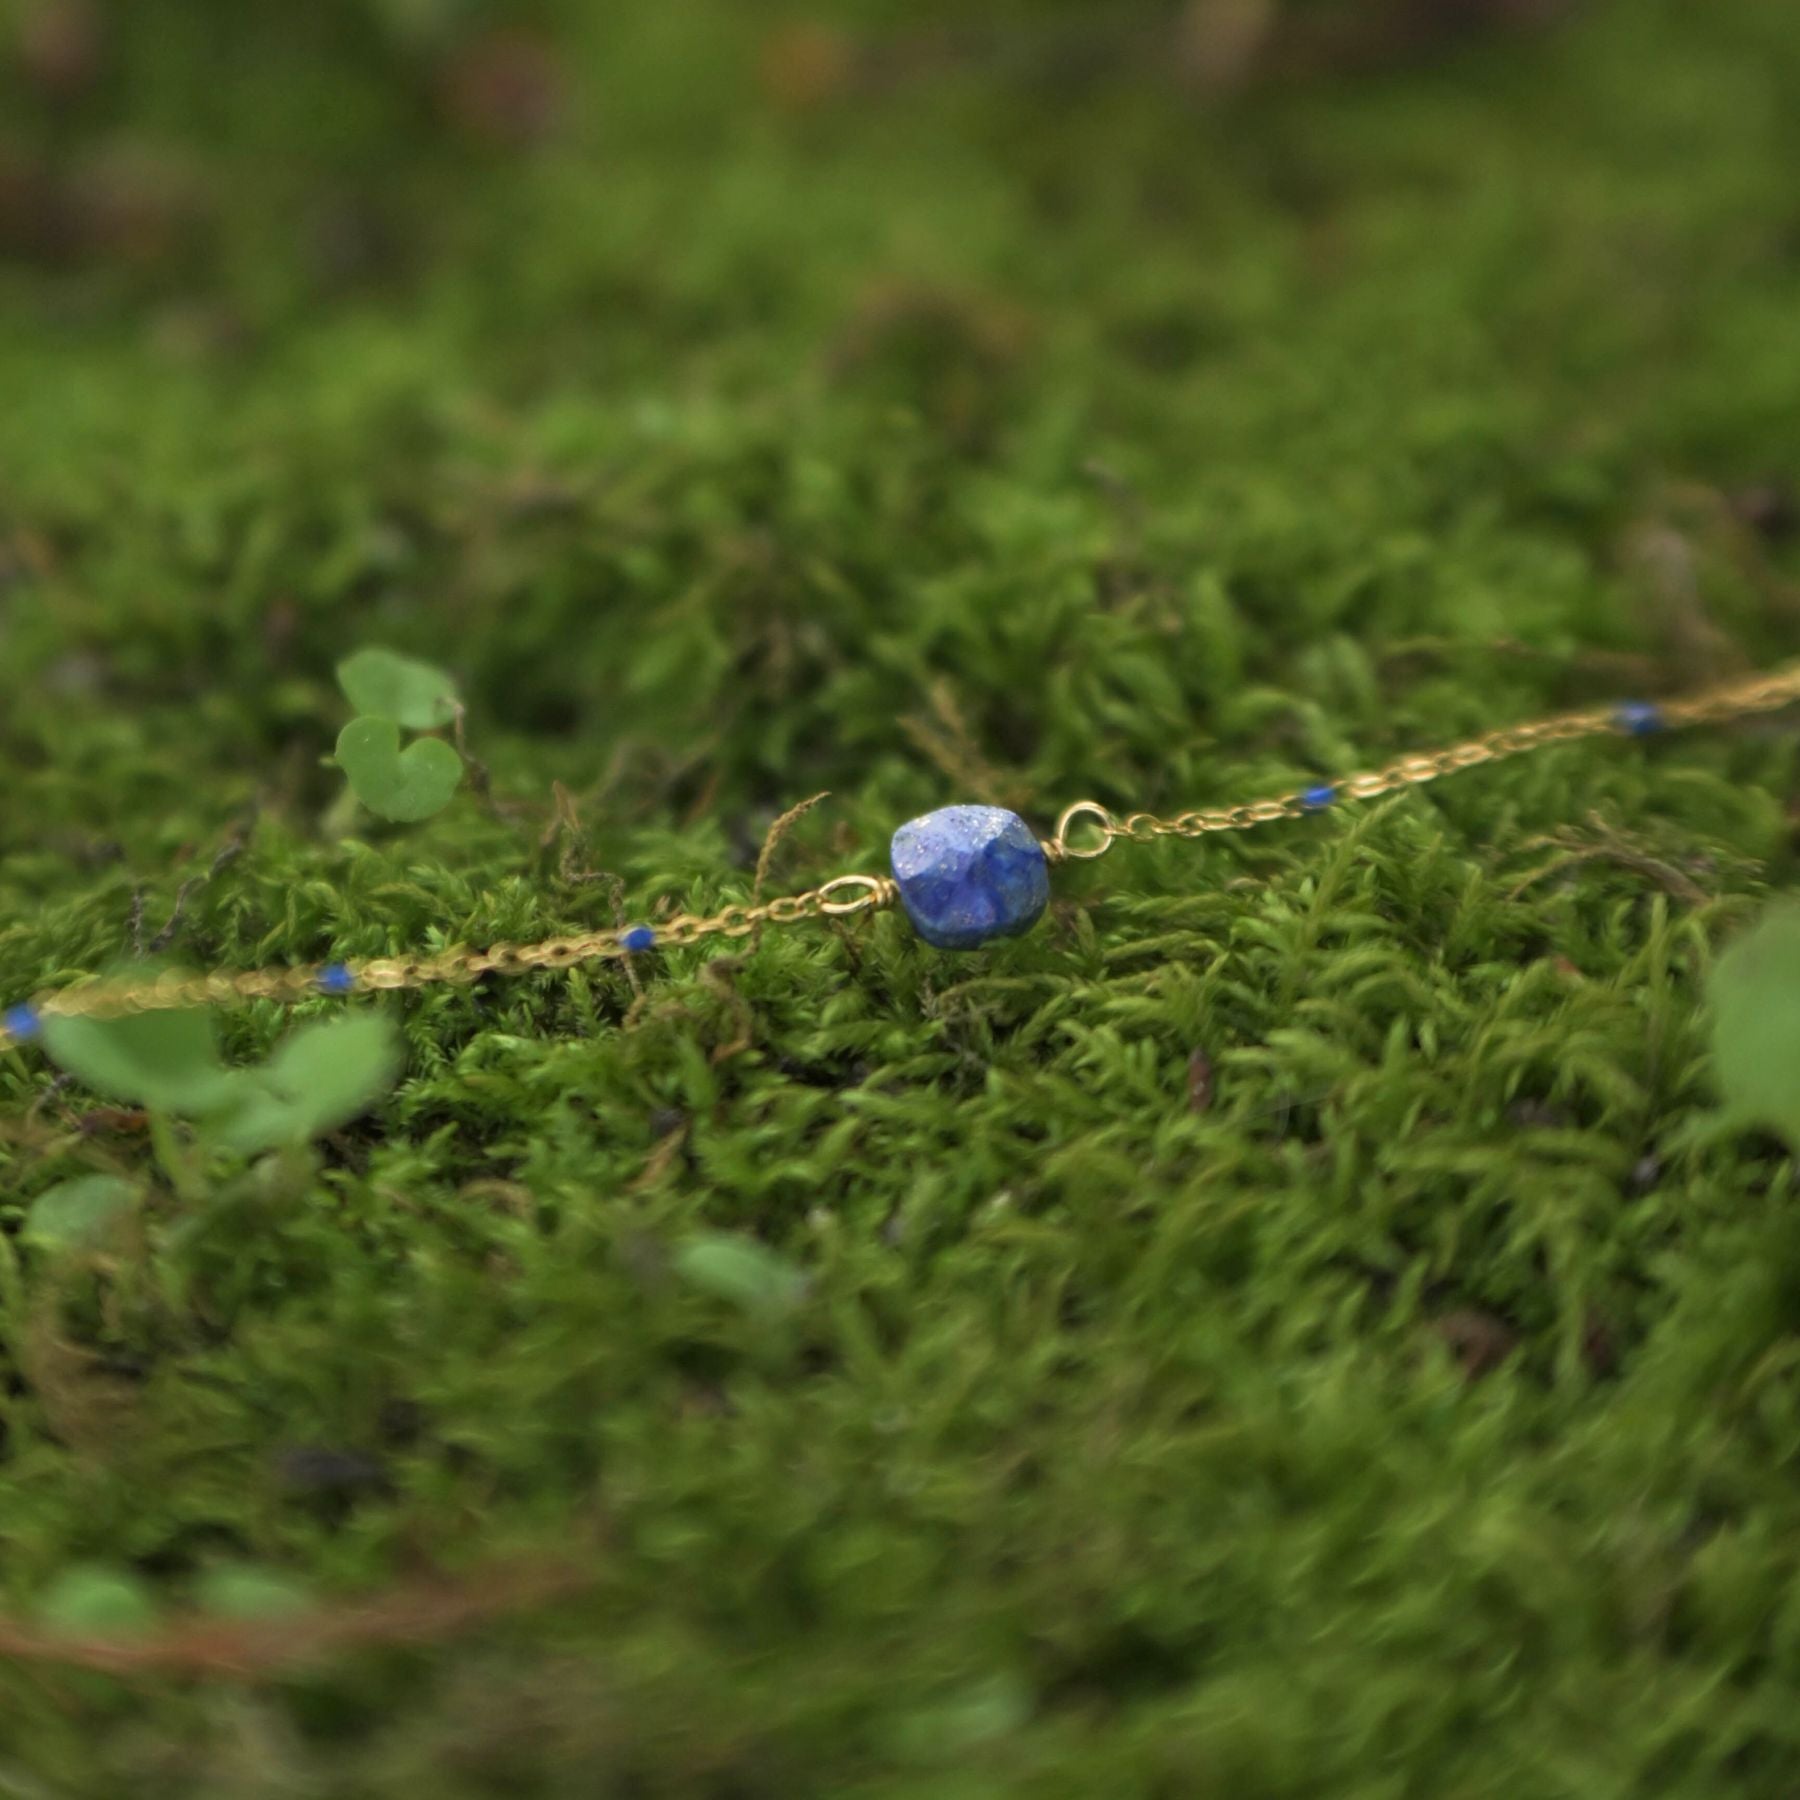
{"points": [[1059, 849]]}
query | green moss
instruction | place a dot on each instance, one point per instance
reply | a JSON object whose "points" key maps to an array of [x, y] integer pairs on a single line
{"points": [[990, 433]]}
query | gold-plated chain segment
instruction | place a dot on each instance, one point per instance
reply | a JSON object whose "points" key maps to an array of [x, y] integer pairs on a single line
{"points": [[1763, 693], [1086, 829], [112, 999]]}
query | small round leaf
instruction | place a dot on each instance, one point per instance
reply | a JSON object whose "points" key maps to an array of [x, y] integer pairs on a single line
{"points": [[390, 686], [404, 787], [742, 1271], [166, 1060], [91, 1601], [76, 1214], [324, 1076], [1755, 994], [243, 1591]]}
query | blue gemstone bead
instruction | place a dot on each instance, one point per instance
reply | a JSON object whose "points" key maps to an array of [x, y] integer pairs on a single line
{"points": [[336, 978], [1316, 799], [970, 873], [1638, 717], [22, 1022], [639, 937]]}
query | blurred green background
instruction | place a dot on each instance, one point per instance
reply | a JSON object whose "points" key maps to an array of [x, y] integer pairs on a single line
{"points": [[1283, 1329]]}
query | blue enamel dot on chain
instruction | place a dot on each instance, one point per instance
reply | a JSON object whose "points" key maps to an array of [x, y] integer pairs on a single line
{"points": [[336, 978], [639, 938], [22, 1023], [970, 873]]}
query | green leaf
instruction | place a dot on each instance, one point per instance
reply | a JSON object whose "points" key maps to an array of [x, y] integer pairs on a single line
{"points": [[981, 1713], [165, 1060], [1755, 994], [78, 1213], [89, 1600], [740, 1270], [401, 786], [242, 1591], [389, 686], [324, 1076]]}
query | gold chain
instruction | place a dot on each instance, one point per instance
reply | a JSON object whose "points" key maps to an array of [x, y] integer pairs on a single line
{"points": [[1762, 693], [852, 894], [112, 999]]}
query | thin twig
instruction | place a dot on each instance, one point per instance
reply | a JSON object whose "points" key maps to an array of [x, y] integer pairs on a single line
{"points": [[772, 840], [233, 1650], [1606, 846]]}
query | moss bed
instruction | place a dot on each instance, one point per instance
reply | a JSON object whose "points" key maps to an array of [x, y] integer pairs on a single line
{"points": [[1282, 1328]]}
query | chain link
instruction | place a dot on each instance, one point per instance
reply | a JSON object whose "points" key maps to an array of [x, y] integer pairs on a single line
{"points": [[852, 894], [112, 999], [1763, 693]]}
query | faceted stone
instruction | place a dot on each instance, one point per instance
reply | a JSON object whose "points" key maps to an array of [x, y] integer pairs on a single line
{"points": [[970, 873]]}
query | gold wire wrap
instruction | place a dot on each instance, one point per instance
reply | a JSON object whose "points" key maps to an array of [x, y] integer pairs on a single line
{"points": [[849, 895]]}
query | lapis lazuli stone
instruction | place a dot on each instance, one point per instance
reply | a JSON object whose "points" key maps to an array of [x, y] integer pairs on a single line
{"points": [[970, 873]]}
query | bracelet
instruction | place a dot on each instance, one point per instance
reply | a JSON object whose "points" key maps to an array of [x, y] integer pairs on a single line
{"points": [[963, 874]]}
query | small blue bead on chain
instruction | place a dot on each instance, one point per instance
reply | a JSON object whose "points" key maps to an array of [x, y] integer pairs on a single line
{"points": [[336, 978], [22, 1022], [1638, 718], [638, 938], [1316, 799]]}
